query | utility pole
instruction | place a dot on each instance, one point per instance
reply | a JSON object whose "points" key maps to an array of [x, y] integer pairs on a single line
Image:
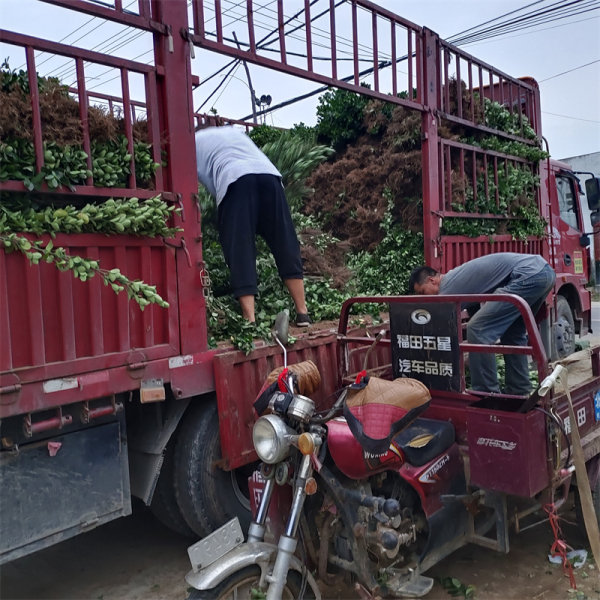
{"points": [[252, 96]]}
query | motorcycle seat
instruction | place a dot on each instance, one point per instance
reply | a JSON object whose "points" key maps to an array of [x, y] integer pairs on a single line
{"points": [[424, 439]]}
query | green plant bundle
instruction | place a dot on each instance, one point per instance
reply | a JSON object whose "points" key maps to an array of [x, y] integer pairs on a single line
{"points": [[386, 269], [128, 216], [497, 116], [81, 268], [340, 117], [510, 147], [67, 165]]}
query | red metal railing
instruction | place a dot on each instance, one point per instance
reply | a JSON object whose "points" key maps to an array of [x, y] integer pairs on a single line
{"points": [[82, 58], [477, 81], [390, 42], [535, 347], [117, 13], [474, 172]]}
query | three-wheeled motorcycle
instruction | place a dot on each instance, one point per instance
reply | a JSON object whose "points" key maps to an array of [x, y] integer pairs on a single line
{"points": [[408, 464]]}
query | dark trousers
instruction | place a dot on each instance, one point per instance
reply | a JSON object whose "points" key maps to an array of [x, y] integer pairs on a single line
{"points": [[256, 204]]}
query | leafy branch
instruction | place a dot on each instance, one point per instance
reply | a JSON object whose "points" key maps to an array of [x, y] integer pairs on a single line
{"points": [[82, 268], [128, 216]]}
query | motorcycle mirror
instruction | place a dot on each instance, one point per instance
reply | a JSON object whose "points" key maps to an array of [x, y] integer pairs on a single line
{"points": [[281, 327]]}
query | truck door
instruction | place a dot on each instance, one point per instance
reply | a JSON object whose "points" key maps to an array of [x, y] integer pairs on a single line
{"points": [[567, 227]]}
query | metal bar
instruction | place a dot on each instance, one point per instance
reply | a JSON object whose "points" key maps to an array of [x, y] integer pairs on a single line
{"points": [[420, 69], [372, 7], [250, 17], [34, 93], [83, 115], [198, 17], [154, 127], [141, 21], [474, 180], [128, 125], [307, 23], [144, 9], [393, 50], [355, 42], [448, 176], [471, 95], [446, 84], [281, 31], [442, 162], [481, 94], [461, 158], [497, 193], [332, 33], [486, 178], [10, 37], [459, 95], [312, 76], [219, 21], [409, 87], [375, 53]]}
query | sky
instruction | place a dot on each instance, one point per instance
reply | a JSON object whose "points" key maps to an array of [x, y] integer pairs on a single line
{"points": [[563, 56]]}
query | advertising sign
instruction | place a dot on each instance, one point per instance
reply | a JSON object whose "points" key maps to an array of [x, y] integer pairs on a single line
{"points": [[425, 344]]}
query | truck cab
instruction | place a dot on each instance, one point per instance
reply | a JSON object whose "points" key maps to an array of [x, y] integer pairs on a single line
{"points": [[569, 252]]}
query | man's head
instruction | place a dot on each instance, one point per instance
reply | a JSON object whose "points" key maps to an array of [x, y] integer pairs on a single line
{"points": [[424, 281]]}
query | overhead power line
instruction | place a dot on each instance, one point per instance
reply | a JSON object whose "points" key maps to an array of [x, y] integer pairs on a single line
{"points": [[569, 117], [569, 71]]}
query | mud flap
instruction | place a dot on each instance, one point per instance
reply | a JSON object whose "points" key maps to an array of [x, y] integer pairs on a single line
{"points": [[448, 531]]}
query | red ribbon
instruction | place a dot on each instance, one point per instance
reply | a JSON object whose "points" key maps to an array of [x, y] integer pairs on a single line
{"points": [[559, 547]]}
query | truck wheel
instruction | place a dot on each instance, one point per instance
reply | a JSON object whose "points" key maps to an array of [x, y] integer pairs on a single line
{"points": [[243, 583], [564, 329], [207, 495], [164, 504]]}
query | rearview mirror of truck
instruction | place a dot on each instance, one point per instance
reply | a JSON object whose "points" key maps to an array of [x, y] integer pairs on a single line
{"points": [[592, 192]]}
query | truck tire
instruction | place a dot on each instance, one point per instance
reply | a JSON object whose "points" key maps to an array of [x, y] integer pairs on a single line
{"points": [[564, 329], [164, 504], [207, 495]]}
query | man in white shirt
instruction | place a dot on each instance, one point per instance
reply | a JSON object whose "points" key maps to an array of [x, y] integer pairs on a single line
{"points": [[250, 200]]}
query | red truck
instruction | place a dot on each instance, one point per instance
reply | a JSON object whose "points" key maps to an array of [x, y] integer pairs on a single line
{"points": [[100, 401]]}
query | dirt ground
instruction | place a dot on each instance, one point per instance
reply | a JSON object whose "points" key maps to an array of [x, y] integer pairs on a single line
{"points": [[136, 558]]}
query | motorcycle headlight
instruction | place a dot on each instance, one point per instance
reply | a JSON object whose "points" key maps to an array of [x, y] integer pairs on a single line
{"points": [[272, 439]]}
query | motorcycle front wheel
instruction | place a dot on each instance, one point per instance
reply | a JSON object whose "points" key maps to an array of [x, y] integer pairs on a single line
{"points": [[243, 585]]}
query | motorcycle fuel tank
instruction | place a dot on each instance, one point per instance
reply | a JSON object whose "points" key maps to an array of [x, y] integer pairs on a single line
{"points": [[350, 457]]}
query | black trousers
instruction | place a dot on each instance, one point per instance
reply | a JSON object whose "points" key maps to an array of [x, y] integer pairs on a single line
{"points": [[256, 204]]}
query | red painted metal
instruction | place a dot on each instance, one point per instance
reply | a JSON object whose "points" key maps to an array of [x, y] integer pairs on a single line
{"points": [[239, 378], [105, 343], [535, 349], [117, 14]]}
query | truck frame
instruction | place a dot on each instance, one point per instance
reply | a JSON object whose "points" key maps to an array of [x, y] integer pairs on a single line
{"points": [[99, 401]]}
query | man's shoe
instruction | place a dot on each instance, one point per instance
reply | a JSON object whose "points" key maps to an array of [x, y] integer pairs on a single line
{"points": [[303, 320]]}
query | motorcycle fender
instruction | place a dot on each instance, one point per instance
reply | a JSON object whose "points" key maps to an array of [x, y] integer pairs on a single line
{"points": [[254, 553]]}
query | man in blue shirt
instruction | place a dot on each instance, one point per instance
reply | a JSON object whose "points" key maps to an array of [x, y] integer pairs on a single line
{"points": [[250, 200], [526, 275]]}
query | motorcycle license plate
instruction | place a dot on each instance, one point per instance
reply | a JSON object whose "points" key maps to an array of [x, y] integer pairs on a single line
{"points": [[217, 544]]}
